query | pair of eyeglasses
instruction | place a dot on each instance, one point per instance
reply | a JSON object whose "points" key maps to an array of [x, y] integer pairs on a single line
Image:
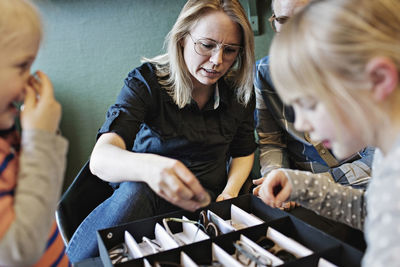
{"points": [[281, 20], [119, 254], [208, 227], [208, 47], [246, 255], [275, 249]]}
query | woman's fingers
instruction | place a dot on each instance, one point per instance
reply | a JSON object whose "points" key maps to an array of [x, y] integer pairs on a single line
{"points": [[191, 182], [178, 189]]}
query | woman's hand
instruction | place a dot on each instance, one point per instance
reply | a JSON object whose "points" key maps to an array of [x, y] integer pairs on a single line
{"points": [[177, 184], [224, 196], [275, 189], [41, 110]]}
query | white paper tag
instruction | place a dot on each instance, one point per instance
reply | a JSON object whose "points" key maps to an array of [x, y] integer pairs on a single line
{"points": [[223, 257], [222, 225], [191, 233], [241, 219], [324, 263], [275, 260], [288, 244], [133, 247], [166, 241], [186, 261], [146, 263]]}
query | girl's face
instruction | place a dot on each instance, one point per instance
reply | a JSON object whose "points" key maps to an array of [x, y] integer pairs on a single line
{"points": [[16, 59], [207, 69], [312, 116]]}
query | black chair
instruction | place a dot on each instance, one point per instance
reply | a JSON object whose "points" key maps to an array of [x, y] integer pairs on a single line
{"points": [[85, 193]]}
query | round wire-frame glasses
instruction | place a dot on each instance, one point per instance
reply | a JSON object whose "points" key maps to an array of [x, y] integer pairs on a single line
{"points": [[208, 47]]}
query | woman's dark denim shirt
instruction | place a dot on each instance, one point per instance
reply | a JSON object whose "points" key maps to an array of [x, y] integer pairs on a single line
{"points": [[149, 121]]}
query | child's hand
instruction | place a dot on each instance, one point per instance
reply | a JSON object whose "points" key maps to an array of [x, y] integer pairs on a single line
{"points": [[257, 182], [41, 110], [275, 189]]}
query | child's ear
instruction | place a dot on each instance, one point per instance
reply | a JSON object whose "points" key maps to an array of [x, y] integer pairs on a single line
{"points": [[384, 77]]}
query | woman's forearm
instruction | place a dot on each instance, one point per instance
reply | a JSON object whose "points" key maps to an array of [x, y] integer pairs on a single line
{"points": [[111, 161], [239, 170]]}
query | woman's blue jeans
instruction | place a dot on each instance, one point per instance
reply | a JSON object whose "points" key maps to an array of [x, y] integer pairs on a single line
{"points": [[130, 201]]}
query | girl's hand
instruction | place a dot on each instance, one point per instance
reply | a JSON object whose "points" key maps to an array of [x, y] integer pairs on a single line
{"points": [[41, 110], [275, 189], [178, 185]]}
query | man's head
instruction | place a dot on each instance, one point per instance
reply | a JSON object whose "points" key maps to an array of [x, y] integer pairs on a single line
{"points": [[282, 10]]}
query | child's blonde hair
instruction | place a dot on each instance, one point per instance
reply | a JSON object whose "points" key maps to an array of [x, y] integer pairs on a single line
{"points": [[18, 17], [323, 51]]}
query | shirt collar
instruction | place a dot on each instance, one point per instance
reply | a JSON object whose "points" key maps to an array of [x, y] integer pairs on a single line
{"points": [[221, 95]]}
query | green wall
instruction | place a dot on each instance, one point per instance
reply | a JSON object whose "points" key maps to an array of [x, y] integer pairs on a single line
{"points": [[89, 48]]}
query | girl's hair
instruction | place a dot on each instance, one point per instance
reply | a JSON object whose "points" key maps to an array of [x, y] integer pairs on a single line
{"points": [[171, 68], [18, 17], [273, 3], [324, 49]]}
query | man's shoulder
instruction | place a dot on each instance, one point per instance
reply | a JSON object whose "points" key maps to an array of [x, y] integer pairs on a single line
{"points": [[263, 63], [262, 79]]}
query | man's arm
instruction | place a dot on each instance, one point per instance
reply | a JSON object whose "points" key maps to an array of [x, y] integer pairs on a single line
{"points": [[270, 135], [356, 173]]}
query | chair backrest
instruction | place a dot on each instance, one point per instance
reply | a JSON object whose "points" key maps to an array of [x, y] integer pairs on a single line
{"points": [[85, 193]]}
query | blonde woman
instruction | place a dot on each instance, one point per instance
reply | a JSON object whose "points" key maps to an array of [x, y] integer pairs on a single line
{"points": [[177, 122], [342, 63]]}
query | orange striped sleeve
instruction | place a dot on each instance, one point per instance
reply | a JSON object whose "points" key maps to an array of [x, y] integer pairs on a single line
{"points": [[8, 174], [54, 255], [7, 214]]}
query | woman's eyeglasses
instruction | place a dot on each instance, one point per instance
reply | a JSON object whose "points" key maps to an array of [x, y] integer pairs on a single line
{"points": [[246, 255], [275, 249], [281, 20], [208, 47]]}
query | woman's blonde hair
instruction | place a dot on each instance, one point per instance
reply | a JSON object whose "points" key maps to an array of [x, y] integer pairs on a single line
{"points": [[324, 49], [18, 17], [173, 74]]}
